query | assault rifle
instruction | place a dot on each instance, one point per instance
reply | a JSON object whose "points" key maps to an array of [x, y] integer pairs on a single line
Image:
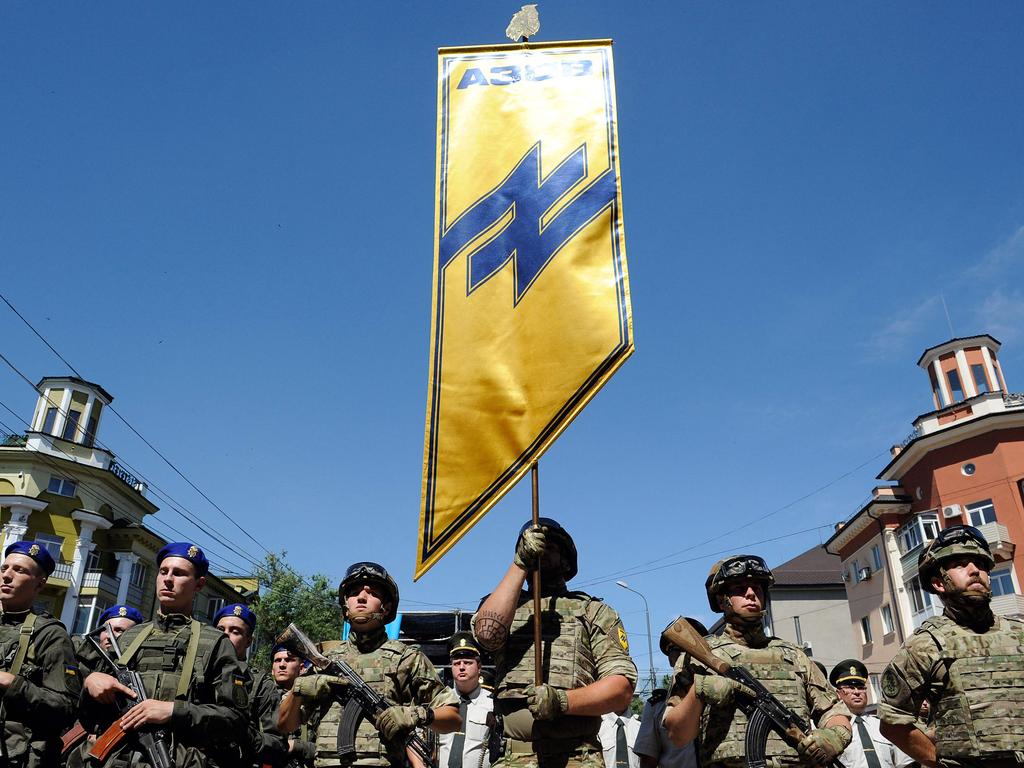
{"points": [[153, 742], [764, 712], [360, 700]]}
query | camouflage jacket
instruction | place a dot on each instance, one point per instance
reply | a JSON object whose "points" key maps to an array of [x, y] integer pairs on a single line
{"points": [[40, 703]]}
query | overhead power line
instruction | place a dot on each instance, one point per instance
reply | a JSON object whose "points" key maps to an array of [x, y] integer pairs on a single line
{"points": [[138, 434]]}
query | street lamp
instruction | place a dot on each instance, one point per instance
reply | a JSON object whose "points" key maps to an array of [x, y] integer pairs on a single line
{"points": [[650, 645]]}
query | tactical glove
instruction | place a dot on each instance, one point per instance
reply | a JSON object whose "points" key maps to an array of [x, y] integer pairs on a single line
{"points": [[719, 691], [399, 720], [318, 687], [530, 547], [823, 745], [545, 702]]}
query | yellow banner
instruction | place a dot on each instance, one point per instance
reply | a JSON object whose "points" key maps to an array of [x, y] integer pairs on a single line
{"points": [[531, 312]]}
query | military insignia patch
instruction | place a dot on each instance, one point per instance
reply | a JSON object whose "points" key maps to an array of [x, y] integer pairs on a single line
{"points": [[122, 611], [623, 641], [238, 610], [33, 550], [193, 551], [891, 684], [70, 671], [853, 672]]}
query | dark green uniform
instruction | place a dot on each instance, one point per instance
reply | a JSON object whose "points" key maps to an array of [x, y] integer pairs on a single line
{"points": [[267, 746], [304, 754], [39, 705], [210, 699], [403, 675]]}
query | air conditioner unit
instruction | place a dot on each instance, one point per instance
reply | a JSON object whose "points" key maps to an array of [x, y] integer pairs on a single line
{"points": [[808, 648], [953, 510], [864, 574]]}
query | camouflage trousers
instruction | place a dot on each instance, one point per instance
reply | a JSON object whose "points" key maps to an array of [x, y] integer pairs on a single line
{"points": [[582, 758]]}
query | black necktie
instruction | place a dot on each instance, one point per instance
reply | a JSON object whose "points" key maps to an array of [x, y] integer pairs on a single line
{"points": [[621, 750], [867, 744], [459, 742]]}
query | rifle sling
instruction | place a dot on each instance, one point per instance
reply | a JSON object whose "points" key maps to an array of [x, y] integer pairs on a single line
{"points": [[190, 654], [24, 636]]}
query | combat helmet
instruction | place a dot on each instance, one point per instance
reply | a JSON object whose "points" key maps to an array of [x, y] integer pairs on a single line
{"points": [[955, 541], [373, 573], [561, 536], [733, 568]]}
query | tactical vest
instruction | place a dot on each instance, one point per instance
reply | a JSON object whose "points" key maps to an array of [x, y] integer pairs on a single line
{"points": [[724, 729], [18, 656], [378, 669], [981, 711], [568, 663]]}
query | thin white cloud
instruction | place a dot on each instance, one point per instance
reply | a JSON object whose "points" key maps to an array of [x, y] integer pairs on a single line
{"points": [[1001, 313], [1007, 254], [891, 341]]}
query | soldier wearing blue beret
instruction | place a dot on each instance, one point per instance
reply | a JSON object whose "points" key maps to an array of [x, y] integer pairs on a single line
{"points": [[264, 746], [39, 681], [118, 618], [196, 687]]}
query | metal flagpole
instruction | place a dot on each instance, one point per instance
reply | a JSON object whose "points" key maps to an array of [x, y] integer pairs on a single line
{"points": [[538, 651]]}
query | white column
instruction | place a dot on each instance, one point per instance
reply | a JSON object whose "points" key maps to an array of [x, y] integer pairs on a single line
{"points": [[21, 507], [943, 386], [83, 425], [88, 523], [991, 368], [61, 420], [125, 561], [965, 374]]}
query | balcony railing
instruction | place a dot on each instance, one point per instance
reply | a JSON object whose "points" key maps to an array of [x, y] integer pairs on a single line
{"points": [[101, 581], [62, 571], [1013, 399], [910, 438], [1008, 605], [8, 440], [124, 475]]}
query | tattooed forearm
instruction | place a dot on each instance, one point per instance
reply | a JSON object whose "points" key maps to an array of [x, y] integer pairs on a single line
{"points": [[490, 629]]}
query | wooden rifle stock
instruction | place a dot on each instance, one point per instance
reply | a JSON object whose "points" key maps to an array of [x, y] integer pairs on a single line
{"points": [[72, 738], [682, 635], [108, 741]]}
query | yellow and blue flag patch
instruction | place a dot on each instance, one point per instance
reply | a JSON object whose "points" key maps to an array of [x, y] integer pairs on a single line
{"points": [[531, 312]]}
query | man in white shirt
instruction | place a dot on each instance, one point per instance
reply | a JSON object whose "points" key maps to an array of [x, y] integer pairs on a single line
{"points": [[868, 749], [618, 734], [468, 746], [653, 746]]}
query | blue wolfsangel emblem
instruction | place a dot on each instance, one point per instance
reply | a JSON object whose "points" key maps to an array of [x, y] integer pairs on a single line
{"points": [[520, 202]]}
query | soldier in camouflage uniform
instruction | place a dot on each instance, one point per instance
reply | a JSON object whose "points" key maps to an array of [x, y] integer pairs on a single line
{"points": [[403, 675], [264, 744], [286, 668], [587, 669], [968, 663], [703, 704], [196, 687], [39, 681]]}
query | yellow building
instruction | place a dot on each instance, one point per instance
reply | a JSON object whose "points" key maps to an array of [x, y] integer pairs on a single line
{"points": [[61, 489]]}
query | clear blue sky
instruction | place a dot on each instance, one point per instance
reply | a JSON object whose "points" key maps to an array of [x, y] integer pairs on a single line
{"points": [[222, 212]]}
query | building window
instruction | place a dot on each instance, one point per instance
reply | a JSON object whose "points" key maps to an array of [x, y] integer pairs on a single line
{"points": [[978, 371], [888, 626], [50, 420], [138, 575], [1002, 582], [71, 425], [919, 599], [92, 561], [865, 629], [955, 388], [51, 544], [876, 690], [921, 528], [62, 486], [981, 512], [876, 557], [213, 605], [856, 571], [86, 614]]}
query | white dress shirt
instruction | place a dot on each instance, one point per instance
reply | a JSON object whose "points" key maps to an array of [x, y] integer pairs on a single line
{"points": [[653, 741], [474, 750], [889, 755], [608, 732]]}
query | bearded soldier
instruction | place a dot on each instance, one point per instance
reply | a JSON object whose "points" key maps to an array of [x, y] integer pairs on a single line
{"points": [[968, 663], [703, 705], [195, 685], [403, 675], [586, 663], [39, 680]]}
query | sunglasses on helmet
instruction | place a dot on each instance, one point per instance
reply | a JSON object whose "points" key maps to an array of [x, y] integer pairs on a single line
{"points": [[960, 534], [745, 565], [366, 570]]}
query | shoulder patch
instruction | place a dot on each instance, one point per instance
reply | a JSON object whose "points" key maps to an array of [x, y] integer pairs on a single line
{"points": [[70, 671], [892, 684], [623, 640]]}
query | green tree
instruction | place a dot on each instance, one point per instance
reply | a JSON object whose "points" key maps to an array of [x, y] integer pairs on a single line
{"points": [[287, 597]]}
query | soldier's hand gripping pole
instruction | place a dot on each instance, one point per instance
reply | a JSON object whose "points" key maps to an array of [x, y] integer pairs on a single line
{"points": [[538, 650], [359, 699], [764, 711]]}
